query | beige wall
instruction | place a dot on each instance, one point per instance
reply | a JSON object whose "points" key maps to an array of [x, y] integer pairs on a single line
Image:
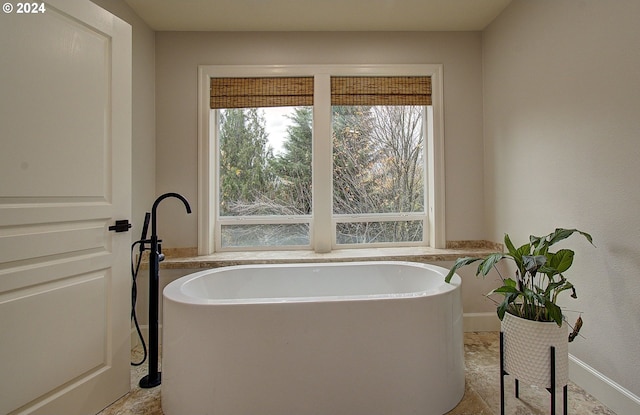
{"points": [[562, 148], [143, 114], [178, 55]]}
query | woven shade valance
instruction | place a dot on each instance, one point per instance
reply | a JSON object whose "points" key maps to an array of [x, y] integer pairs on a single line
{"points": [[261, 92], [381, 90]]}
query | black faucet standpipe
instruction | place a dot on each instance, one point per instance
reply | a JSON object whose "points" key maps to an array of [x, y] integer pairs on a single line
{"points": [[153, 379]]}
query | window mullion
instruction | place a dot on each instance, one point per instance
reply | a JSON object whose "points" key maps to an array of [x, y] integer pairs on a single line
{"points": [[262, 220], [322, 164], [379, 217]]}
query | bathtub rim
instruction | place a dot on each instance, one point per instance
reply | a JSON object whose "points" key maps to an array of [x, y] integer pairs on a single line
{"points": [[173, 291]]}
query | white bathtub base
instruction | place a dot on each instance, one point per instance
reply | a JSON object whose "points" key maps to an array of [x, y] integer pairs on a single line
{"points": [[397, 356]]}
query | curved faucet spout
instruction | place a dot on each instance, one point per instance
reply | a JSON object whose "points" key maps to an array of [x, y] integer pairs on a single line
{"points": [[157, 202]]}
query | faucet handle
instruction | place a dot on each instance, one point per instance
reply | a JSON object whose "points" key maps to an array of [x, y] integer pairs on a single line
{"points": [[160, 254]]}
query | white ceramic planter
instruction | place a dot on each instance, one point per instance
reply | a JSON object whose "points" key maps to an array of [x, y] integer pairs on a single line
{"points": [[527, 351]]}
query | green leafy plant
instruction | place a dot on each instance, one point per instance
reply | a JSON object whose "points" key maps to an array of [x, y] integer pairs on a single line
{"points": [[533, 292]]}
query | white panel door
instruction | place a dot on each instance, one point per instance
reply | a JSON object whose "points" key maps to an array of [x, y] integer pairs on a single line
{"points": [[65, 177]]}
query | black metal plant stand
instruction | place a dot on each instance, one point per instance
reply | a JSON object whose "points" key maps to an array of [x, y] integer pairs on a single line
{"points": [[552, 389]]}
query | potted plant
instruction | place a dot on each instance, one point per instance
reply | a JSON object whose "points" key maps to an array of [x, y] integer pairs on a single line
{"points": [[530, 304]]}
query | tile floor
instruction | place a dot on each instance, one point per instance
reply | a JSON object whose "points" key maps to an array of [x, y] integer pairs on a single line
{"points": [[482, 395]]}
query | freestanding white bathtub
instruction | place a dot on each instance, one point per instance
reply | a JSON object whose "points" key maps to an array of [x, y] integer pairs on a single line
{"points": [[353, 338]]}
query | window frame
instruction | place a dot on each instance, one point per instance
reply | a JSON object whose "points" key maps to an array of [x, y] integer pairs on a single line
{"points": [[322, 222]]}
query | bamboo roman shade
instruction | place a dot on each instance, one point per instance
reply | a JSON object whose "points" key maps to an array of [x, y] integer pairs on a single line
{"points": [[381, 90], [261, 92]]}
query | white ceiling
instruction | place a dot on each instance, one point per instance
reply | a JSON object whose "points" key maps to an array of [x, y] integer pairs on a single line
{"points": [[318, 15]]}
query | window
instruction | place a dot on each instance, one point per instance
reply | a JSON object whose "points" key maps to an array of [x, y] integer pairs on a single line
{"points": [[378, 131], [320, 157], [263, 180], [263, 177], [378, 174]]}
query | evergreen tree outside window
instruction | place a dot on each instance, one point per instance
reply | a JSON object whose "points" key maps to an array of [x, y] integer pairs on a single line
{"points": [[258, 186]]}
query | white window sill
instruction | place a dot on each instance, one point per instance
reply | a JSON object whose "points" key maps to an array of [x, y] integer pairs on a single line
{"points": [[180, 259]]}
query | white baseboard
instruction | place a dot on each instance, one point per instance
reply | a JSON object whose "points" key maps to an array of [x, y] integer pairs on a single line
{"points": [[612, 395], [480, 322]]}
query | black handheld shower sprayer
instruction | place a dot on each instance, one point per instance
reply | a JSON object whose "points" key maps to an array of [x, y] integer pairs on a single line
{"points": [[135, 268], [153, 378]]}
